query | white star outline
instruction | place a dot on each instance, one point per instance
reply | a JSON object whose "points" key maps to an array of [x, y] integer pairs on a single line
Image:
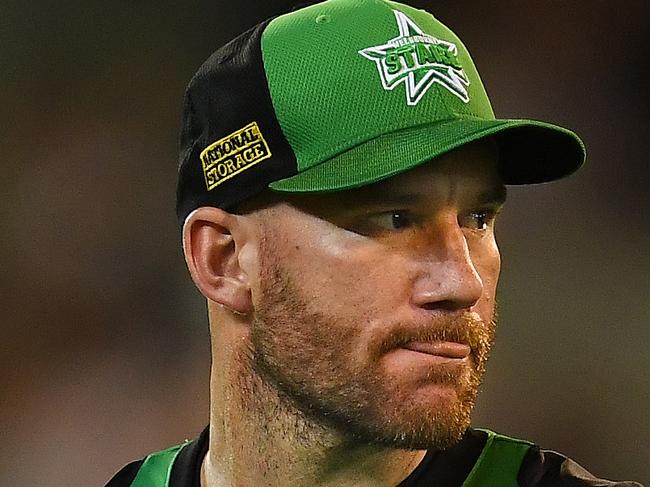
{"points": [[451, 78]]}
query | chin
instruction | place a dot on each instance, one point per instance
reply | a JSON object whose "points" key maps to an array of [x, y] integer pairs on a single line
{"points": [[435, 419]]}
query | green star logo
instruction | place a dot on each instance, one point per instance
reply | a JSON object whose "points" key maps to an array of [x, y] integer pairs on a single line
{"points": [[418, 60]]}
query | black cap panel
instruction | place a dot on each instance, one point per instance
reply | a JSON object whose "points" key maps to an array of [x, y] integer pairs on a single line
{"points": [[231, 144]]}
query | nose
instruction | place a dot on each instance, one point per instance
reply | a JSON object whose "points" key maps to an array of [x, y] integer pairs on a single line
{"points": [[447, 277]]}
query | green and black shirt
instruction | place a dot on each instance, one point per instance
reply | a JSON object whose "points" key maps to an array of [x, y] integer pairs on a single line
{"points": [[482, 458]]}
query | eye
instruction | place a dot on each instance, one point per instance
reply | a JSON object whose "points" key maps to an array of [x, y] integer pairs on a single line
{"points": [[390, 220], [478, 220]]}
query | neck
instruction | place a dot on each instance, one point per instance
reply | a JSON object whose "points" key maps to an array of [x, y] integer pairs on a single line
{"points": [[258, 437]]}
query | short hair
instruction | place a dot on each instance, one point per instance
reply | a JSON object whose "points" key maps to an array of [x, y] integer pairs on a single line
{"points": [[262, 200]]}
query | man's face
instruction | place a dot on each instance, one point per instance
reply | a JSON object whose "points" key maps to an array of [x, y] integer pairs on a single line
{"points": [[352, 282]]}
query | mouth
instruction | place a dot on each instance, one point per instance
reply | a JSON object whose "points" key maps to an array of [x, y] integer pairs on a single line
{"points": [[445, 350]]}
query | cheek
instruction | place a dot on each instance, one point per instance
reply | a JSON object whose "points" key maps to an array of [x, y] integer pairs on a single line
{"points": [[487, 261], [344, 275]]}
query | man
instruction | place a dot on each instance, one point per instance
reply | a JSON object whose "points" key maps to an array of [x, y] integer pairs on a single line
{"points": [[340, 174]]}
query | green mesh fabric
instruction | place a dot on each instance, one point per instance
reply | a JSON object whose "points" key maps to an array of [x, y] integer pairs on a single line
{"points": [[318, 122], [331, 99]]}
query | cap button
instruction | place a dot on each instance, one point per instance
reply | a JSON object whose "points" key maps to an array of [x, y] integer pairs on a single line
{"points": [[323, 19]]}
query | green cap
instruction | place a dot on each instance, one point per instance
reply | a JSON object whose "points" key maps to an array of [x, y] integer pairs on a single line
{"points": [[345, 93]]}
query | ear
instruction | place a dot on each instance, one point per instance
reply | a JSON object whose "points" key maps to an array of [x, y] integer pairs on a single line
{"points": [[212, 242]]}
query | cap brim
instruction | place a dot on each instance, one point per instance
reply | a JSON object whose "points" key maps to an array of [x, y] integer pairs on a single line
{"points": [[529, 152]]}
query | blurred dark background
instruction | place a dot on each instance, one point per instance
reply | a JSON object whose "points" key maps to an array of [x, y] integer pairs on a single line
{"points": [[105, 352]]}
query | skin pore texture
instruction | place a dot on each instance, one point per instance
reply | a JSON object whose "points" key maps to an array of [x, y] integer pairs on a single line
{"points": [[315, 302]]}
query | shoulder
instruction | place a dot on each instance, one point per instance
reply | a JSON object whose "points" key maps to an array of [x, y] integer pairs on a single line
{"points": [[125, 477], [548, 468], [178, 466], [534, 466]]}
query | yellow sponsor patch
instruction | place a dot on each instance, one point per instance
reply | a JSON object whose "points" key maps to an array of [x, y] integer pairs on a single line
{"points": [[233, 154]]}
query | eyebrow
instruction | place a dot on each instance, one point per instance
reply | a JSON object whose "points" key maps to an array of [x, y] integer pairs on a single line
{"points": [[494, 196]]}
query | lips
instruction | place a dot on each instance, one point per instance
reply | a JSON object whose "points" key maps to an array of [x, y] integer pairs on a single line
{"points": [[441, 349]]}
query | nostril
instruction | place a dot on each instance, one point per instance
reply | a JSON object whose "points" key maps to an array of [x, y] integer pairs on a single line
{"points": [[445, 304], [430, 306]]}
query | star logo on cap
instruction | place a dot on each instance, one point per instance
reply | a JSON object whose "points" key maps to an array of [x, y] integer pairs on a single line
{"points": [[418, 60]]}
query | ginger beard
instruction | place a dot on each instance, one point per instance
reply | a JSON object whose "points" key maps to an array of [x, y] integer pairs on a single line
{"points": [[310, 360]]}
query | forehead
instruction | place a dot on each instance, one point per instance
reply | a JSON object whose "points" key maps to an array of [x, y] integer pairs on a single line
{"points": [[469, 174]]}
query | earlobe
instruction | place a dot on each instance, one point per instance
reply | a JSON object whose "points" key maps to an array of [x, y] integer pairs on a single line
{"points": [[211, 244]]}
